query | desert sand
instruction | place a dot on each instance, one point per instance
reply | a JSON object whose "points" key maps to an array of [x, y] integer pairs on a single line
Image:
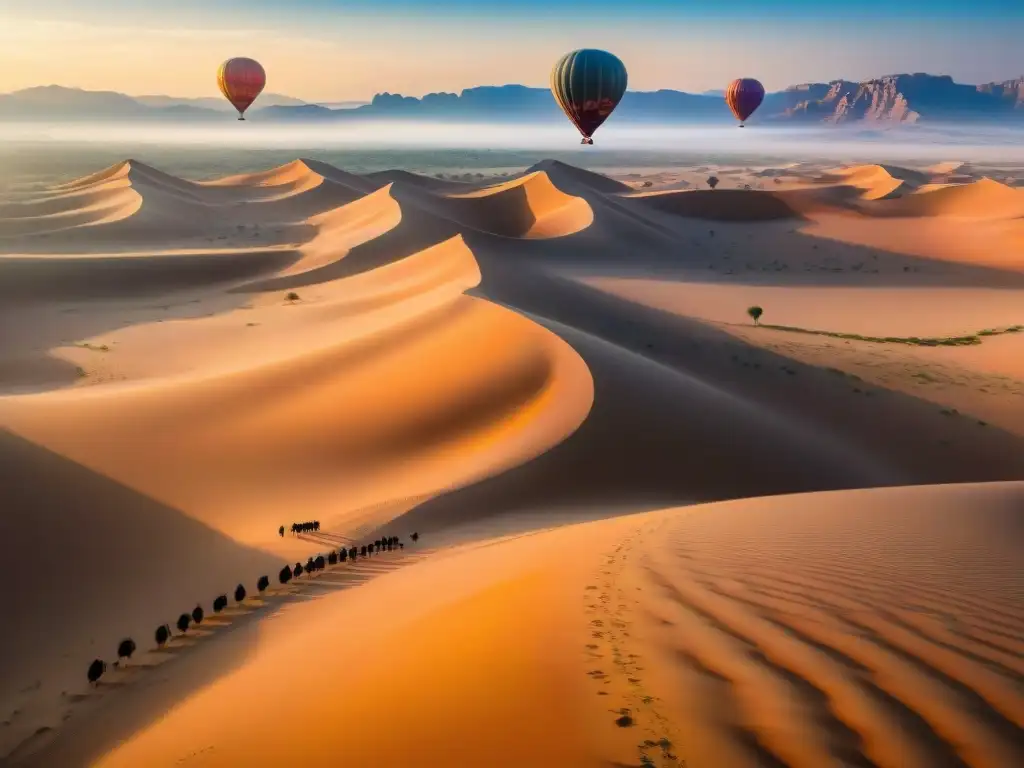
{"points": [[552, 377]]}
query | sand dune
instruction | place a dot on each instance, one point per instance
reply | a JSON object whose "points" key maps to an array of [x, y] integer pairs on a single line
{"points": [[187, 365], [731, 204], [879, 182], [984, 199], [872, 627]]}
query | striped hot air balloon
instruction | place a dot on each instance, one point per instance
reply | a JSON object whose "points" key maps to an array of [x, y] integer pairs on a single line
{"points": [[241, 80], [744, 96], [588, 84]]}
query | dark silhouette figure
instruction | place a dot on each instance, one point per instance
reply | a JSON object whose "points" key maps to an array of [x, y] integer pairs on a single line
{"points": [[280, 531], [197, 615], [362, 551], [263, 583], [285, 575], [342, 555], [353, 552], [310, 566], [401, 545], [297, 570], [320, 563], [125, 649], [162, 635], [332, 559], [239, 593], [311, 525], [415, 537], [219, 603], [96, 670], [183, 622]]}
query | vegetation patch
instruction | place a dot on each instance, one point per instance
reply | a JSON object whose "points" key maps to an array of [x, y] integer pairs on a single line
{"points": [[918, 341]]}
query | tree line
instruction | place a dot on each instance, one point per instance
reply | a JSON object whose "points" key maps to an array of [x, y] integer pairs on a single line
{"points": [[127, 647]]}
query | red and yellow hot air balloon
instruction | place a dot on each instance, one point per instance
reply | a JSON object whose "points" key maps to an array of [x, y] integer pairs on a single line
{"points": [[744, 96], [241, 80]]}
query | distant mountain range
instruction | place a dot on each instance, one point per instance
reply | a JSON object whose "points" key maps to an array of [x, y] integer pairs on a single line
{"points": [[908, 98]]}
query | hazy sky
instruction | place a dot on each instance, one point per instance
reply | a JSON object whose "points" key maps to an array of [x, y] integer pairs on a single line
{"points": [[350, 49]]}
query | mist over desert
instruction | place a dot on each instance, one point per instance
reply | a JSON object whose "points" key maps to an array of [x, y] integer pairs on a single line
{"points": [[651, 532]]}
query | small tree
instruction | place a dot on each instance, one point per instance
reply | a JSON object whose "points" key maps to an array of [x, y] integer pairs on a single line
{"points": [[263, 583], [292, 296], [285, 575], [183, 622], [712, 181], [239, 593], [755, 314], [220, 603], [162, 635], [125, 649], [197, 615], [96, 670]]}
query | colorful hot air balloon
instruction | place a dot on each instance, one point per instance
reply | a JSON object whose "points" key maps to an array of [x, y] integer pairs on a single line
{"points": [[743, 97], [241, 80], [588, 84]]}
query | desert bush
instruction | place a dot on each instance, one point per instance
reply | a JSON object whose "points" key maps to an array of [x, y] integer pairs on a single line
{"points": [[292, 296], [712, 181], [755, 314]]}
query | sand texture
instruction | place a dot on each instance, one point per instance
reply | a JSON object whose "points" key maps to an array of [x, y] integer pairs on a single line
{"points": [[553, 378]]}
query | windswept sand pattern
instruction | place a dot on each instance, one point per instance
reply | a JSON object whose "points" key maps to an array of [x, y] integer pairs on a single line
{"points": [[871, 628]]}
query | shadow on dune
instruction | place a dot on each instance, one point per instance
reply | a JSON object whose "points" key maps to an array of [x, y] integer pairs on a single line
{"points": [[93, 573], [683, 412]]}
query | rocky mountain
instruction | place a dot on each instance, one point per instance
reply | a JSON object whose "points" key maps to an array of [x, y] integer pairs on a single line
{"points": [[893, 99], [215, 102], [904, 99], [1011, 91]]}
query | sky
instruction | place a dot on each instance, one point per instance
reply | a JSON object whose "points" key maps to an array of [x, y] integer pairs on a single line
{"points": [[334, 50]]}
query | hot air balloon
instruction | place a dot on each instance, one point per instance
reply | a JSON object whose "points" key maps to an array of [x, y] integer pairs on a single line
{"points": [[588, 84], [241, 80], [744, 96]]}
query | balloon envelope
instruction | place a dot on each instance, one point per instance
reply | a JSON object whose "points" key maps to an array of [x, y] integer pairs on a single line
{"points": [[241, 80], [588, 84], [744, 96]]}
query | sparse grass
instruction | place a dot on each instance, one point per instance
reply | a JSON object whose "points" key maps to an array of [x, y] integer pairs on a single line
{"points": [[919, 341]]}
